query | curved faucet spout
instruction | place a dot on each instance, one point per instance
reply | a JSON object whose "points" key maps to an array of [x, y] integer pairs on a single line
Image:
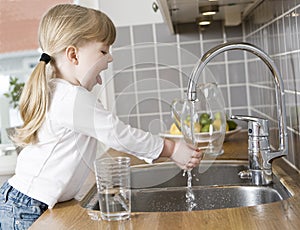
{"points": [[279, 89]]}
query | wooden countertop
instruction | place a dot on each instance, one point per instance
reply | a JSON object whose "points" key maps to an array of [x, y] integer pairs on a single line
{"points": [[278, 215]]}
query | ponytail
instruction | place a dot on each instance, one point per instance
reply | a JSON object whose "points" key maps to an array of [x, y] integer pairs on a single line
{"points": [[34, 102]]}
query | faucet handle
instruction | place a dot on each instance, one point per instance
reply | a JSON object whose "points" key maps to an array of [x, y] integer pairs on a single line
{"points": [[257, 127]]}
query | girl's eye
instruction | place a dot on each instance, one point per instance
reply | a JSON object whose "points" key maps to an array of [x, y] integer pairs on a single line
{"points": [[104, 52]]}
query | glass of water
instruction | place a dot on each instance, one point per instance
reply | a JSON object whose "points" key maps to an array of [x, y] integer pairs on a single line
{"points": [[113, 185]]}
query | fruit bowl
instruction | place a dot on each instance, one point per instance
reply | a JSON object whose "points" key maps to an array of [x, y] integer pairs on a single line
{"points": [[202, 136]]}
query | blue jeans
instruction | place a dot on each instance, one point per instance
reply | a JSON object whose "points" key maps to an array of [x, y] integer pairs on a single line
{"points": [[18, 211]]}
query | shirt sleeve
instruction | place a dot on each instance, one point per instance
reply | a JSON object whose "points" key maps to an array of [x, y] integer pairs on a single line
{"points": [[81, 111]]}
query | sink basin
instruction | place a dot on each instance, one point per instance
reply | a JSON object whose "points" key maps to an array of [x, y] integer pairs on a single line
{"points": [[205, 198], [215, 185]]}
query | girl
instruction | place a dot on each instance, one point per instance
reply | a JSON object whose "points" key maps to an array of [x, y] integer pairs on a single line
{"points": [[63, 120]]}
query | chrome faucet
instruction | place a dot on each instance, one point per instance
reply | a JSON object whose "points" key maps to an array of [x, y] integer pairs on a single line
{"points": [[259, 151]]}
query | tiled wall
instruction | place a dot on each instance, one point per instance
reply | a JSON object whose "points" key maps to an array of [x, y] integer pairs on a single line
{"points": [[151, 68], [274, 26]]}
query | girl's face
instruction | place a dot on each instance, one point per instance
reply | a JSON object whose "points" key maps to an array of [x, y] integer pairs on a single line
{"points": [[93, 57]]}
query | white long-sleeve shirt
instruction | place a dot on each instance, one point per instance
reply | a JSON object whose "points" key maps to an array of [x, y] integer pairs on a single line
{"points": [[54, 169]]}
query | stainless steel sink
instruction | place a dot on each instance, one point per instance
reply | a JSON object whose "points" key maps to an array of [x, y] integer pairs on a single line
{"points": [[215, 185], [205, 198]]}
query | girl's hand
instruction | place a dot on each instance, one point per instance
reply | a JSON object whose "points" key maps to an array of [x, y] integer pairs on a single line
{"points": [[185, 156]]}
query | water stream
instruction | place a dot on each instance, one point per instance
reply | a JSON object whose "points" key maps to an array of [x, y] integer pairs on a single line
{"points": [[190, 197]]}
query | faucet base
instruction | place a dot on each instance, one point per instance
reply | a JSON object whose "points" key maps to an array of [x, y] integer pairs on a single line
{"points": [[257, 177]]}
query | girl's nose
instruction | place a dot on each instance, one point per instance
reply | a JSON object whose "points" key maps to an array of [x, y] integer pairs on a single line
{"points": [[110, 58]]}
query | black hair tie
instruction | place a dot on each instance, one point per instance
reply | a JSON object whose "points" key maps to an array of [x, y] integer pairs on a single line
{"points": [[45, 58]]}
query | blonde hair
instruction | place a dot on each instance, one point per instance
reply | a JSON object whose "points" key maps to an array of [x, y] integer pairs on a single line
{"points": [[61, 26]]}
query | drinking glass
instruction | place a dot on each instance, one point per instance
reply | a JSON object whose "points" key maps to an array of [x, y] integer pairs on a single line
{"points": [[113, 185], [203, 121]]}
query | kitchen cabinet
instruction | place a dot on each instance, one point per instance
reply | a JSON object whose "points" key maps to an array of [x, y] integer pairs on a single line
{"points": [[126, 13]]}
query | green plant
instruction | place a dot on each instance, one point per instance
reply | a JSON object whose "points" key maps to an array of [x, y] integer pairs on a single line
{"points": [[14, 91]]}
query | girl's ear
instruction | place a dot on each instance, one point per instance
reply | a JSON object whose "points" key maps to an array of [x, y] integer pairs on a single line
{"points": [[71, 53]]}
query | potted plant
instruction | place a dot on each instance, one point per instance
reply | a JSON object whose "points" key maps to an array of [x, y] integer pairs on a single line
{"points": [[14, 91], [13, 94]]}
